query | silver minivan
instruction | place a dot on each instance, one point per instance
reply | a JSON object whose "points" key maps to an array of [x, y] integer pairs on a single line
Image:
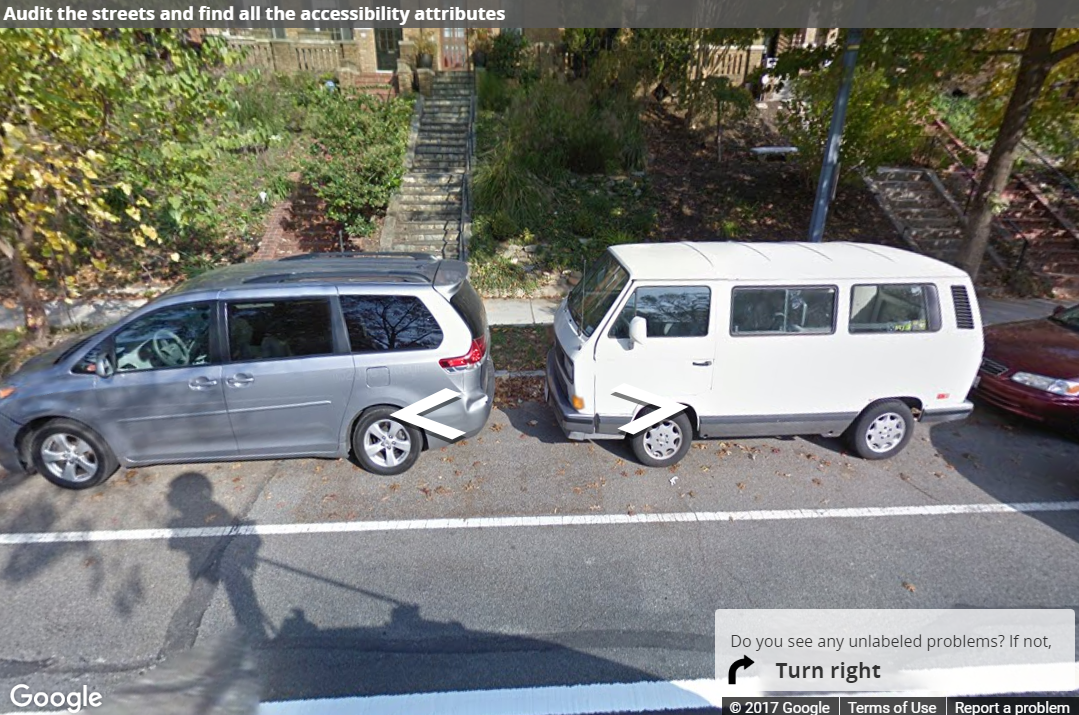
{"points": [[307, 356]]}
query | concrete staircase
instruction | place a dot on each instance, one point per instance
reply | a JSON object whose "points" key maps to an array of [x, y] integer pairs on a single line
{"points": [[921, 209], [427, 215]]}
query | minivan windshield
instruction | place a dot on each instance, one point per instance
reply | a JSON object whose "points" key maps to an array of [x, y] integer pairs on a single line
{"points": [[590, 299]]}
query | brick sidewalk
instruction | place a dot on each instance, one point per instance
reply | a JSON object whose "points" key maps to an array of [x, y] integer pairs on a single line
{"points": [[299, 225]]}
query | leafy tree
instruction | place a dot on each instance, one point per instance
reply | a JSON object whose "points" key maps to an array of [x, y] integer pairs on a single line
{"points": [[99, 131], [1046, 54]]}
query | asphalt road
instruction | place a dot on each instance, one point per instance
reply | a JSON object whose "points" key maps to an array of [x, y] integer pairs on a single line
{"points": [[426, 609]]}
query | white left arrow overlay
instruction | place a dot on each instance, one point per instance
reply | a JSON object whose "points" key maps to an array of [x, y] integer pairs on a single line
{"points": [[413, 414], [664, 408]]}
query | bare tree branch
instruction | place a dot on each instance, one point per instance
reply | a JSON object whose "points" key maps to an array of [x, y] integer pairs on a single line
{"points": [[1064, 53]]}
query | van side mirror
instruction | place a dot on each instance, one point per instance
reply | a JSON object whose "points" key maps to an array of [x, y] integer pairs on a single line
{"points": [[638, 330], [1059, 309]]}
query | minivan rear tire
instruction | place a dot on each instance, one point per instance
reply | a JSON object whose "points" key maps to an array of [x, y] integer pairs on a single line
{"points": [[882, 430], [71, 455], [671, 437], [385, 445]]}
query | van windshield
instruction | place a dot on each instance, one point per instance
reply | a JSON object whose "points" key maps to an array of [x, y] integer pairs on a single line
{"points": [[590, 299]]}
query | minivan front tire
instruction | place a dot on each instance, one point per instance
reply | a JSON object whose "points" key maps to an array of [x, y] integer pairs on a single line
{"points": [[882, 430], [385, 445], [71, 455], [663, 444]]}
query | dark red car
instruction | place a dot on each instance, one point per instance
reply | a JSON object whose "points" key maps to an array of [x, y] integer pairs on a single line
{"points": [[1031, 368]]}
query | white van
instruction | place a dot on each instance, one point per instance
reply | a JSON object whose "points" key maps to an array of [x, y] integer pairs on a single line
{"points": [[765, 339]]}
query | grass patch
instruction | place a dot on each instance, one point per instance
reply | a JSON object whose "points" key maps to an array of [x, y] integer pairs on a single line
{"points": [[520, 347]]}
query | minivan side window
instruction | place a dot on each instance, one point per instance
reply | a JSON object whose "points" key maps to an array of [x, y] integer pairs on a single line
{"points": [[894, 308], [783, 311], [273, 329], [378, 323], [669, 311], [178, 336]]}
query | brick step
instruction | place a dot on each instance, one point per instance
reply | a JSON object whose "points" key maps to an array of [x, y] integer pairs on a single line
{"points": [[441, 147], [1070, 268], [930, 234]]}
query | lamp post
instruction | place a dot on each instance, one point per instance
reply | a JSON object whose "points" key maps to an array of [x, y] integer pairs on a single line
{"points": [[828, 172]]}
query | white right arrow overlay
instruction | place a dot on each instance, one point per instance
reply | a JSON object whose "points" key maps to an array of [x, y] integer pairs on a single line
{"points": [[412, 414], [664, 408]]}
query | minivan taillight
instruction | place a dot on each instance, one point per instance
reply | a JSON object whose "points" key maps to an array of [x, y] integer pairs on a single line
{"points": [[476, 352]]}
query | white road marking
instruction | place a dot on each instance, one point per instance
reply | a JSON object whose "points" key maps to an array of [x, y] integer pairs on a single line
{"points": [[500, 522]]}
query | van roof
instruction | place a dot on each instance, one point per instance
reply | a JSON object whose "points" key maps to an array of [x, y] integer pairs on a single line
{"points": [[777, 261]]}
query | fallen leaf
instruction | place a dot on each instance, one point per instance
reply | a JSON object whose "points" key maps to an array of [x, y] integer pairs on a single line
{"points": [[909, 586], [817, 481], [639, 472], [532, 423], [740, 485], [496, 427]]}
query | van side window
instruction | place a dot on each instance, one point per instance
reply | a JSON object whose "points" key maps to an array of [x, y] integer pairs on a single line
{"points": [[781, 311], [177, 336], [273, 329], [670, 311], [896, 308], [389, 322]]}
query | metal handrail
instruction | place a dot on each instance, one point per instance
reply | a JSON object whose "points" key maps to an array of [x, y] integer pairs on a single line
{"points": [[1009, 228], [464, 232]]}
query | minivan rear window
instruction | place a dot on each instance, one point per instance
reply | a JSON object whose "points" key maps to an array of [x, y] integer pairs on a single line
{"points": [[469, 306], [378, 323]]}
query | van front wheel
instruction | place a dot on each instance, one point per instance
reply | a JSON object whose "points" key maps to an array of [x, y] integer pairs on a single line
{"points": [[882, 431], [663, 444]]}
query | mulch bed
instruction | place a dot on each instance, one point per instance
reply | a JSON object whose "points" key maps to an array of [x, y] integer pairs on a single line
{"points": [[741, 198]]}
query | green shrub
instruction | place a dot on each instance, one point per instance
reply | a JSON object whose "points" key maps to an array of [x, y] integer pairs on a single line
{"points": [[494, 93], [357, 158], [507, 54], [502, 186], [503, 227], [584, 223]]}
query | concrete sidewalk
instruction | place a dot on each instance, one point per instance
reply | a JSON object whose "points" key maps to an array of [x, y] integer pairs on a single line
{"points": [[524, 311]]}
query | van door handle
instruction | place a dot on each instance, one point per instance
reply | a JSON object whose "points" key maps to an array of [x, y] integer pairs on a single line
{"points": [[240, 380], [201, 383], [702, 363]]}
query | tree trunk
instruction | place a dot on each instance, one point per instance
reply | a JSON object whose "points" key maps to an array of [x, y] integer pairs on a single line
{"points": [[1034, 67], [35, 320]]}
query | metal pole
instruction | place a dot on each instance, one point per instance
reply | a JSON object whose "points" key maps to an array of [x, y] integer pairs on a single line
{"points": [[828, 172]]}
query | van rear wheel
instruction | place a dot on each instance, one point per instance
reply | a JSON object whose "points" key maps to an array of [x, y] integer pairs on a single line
{"points": [[663, 444], [882, 431]]}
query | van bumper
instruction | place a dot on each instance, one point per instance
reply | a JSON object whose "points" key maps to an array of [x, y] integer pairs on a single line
{"points": [[947, 414], [575, 425]]}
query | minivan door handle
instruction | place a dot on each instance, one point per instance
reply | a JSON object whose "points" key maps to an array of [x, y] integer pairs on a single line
{"points": [[702, 363], [201, 383], [241, 379]]}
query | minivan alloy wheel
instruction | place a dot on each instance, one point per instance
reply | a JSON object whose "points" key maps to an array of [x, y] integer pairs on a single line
{"points": [[885, 432], [68, 457], [387, 443]]}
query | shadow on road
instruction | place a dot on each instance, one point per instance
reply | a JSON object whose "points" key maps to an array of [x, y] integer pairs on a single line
{"points": [[1014, 461], [300, 658]]}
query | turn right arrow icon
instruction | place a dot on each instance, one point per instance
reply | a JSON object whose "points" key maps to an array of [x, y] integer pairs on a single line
{"points": [[665, 409]]}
